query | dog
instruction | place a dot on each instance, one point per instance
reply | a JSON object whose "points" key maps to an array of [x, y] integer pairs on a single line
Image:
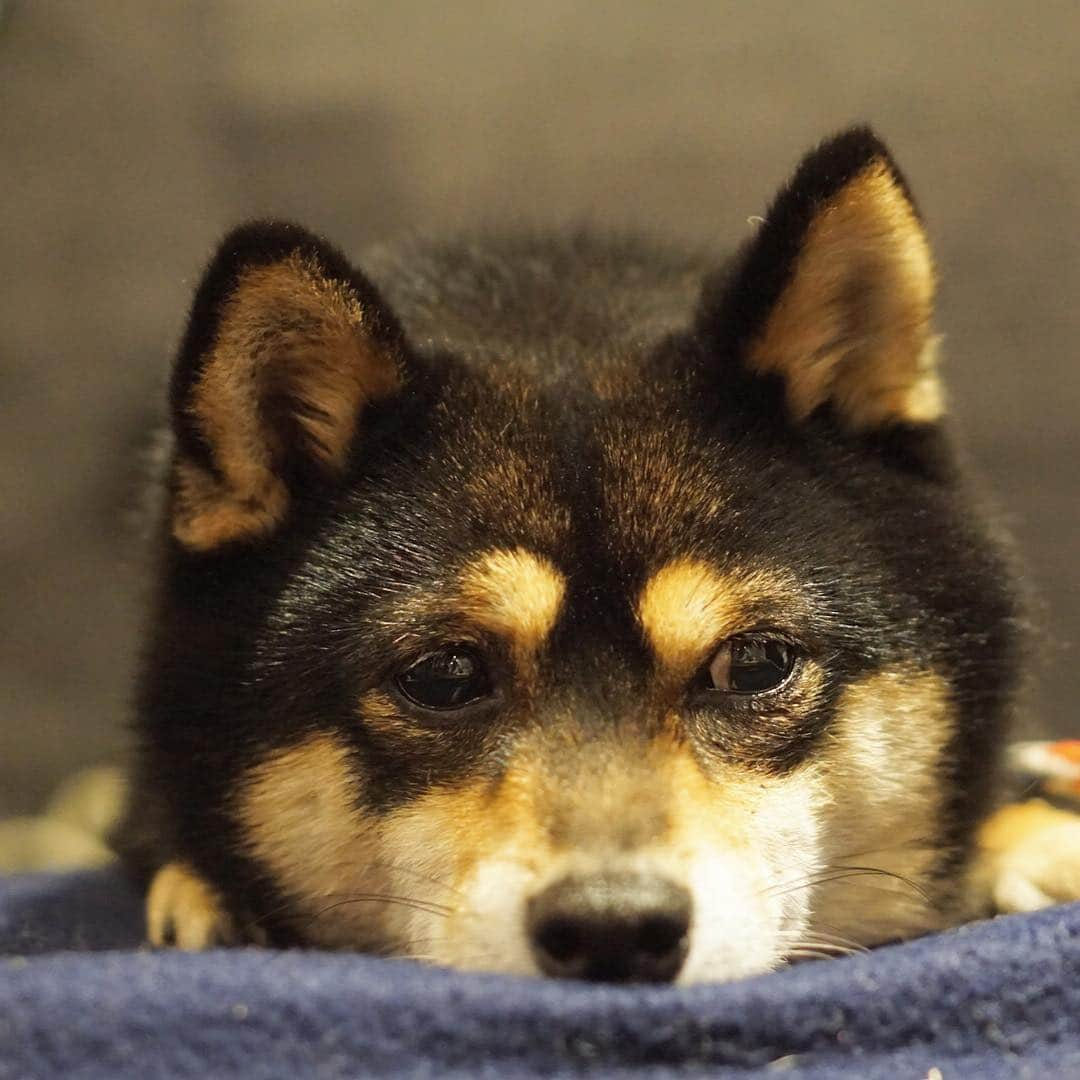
{"points": [[580, 606]]}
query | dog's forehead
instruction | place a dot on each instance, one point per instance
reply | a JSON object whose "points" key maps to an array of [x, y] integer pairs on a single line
{"points": [[606, 500], [664, 487], [589, 481], [559, 522]]}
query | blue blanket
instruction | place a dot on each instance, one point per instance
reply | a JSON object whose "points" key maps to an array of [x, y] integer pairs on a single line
{"points": [[80, 998]]}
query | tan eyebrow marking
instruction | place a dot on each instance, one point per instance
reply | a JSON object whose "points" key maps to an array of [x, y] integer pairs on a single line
{"points": [[515, 593], [687, 606]]}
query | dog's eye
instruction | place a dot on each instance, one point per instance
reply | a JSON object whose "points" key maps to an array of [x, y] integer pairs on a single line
{"points": [[450, 678], [751, 664]]}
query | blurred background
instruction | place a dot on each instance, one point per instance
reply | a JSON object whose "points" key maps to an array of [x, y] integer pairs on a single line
{"points": [[132, 135]]}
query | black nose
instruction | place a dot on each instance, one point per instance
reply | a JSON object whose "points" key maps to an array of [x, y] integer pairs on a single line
{"points": [[611, 928]]}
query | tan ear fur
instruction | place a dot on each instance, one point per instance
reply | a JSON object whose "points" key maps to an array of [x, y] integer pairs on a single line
{"points": [[291, 342], [853, 325]]}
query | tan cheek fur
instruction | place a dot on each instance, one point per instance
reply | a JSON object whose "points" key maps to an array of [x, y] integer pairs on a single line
{"points": [[289, 332], [881, 768], [333, 864], [299, 818], [853, 326]]}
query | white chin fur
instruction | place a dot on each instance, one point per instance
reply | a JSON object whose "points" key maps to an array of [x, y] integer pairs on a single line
{"points": [[737, 922]]}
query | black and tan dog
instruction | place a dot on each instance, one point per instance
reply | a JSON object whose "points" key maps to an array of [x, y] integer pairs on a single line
{"points": [[566, 606]]}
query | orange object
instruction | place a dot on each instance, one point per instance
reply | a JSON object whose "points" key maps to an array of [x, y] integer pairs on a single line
{"points": [[1057, 764]]}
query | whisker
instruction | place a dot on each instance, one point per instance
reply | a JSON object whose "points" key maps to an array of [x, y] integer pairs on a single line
{"points": [[915, 843], [414, 904], [421, 876], [305, 920], [417, 903], [833, 933], [840, 944], [844, 873], [878, 871], [783, 889], [808, 954], [266, 916], [832, 948]]}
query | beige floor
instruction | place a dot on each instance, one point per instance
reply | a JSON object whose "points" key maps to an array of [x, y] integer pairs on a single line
{"points": [[132, 134]]}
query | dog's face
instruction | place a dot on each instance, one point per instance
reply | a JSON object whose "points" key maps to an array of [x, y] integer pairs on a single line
{"points": [[563, 627]]}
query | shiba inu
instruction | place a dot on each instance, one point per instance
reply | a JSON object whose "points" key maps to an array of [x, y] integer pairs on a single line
{"points": [[578, 606]]}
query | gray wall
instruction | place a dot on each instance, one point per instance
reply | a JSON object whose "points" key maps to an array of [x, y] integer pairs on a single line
{"points": [[133, 134]]}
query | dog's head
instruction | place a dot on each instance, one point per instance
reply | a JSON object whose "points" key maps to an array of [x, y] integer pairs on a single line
{"points": [[560, 607]]}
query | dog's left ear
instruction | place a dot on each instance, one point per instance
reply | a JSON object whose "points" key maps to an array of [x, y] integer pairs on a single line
{"points": [[835, 293]]}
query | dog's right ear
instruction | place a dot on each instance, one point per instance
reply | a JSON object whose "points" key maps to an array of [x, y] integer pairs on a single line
{"points": [[285, 346]]}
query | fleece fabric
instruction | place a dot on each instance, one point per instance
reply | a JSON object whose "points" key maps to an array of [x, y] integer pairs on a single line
{"points": [[81, 998]]}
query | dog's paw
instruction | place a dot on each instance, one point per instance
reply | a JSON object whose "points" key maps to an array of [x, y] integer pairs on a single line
{"points": [[1030, 856], [183, 910]]}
